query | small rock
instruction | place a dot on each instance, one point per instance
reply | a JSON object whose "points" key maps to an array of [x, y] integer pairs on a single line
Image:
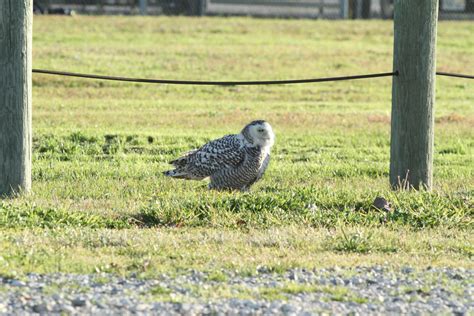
{"points": [[457, 276], [371, 282], [287, 308], [356, 281], [407, 270], [380, 298], [185, 308], [40, 308], [66, 309], [141, 307], [56, 297], [293, 276], [262, 269], [337, 281], [382, 204], [396, 309], [17, 283], [78, 302]]}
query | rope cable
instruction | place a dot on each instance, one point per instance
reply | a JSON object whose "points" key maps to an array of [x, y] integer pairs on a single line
{"points": [[234, 83], [216, 83], [448, 74]]}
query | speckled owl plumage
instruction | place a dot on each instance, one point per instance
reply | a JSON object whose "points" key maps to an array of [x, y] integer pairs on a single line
{"points": [[233, 162]]}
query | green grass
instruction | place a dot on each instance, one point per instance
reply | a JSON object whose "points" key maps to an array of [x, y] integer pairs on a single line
{"points": [[100, 203]]}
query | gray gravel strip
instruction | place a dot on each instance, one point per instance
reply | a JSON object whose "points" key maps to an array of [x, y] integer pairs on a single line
{"points": [[363, 291]]}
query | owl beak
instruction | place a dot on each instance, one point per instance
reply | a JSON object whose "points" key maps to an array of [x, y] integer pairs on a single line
{"points": [[267, 136]]}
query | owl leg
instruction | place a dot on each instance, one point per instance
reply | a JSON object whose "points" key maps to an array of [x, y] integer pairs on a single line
{"points": [[245, 188]]}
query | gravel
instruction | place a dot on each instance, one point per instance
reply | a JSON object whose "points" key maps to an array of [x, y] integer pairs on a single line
{"points": [[358, 291]]}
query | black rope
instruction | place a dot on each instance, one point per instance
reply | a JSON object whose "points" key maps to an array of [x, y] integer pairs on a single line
{"points": [[235, 83], [448, 74], [215, 83]]}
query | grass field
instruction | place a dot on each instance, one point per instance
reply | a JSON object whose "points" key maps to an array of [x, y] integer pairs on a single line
{"points": [[100, 202]]}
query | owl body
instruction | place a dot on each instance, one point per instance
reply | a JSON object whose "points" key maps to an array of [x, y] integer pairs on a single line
{"points": [[248, 172], [233, 162]]}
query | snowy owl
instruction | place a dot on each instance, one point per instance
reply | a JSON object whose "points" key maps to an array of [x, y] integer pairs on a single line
{"points": [[233, 162]]}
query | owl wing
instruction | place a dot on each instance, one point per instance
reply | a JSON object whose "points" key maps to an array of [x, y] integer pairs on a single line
{"points": [[262, 169], [222, 153]]}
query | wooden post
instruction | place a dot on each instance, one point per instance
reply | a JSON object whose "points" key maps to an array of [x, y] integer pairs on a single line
{"points": [[366, 9], [143, 7], [344, 12], [413, 93], [358, 9], [16, 19]]}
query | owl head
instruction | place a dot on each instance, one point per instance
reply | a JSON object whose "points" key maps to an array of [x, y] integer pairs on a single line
{"points": [[259, 133]]}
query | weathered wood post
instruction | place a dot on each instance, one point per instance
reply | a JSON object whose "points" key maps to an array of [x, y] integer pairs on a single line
{"points": [[413, 93], [16, 19], [143, 7], [344, 11]]}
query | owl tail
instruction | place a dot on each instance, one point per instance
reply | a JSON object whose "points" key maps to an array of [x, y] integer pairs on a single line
{"points": [[182, 173], [177, 173]]}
